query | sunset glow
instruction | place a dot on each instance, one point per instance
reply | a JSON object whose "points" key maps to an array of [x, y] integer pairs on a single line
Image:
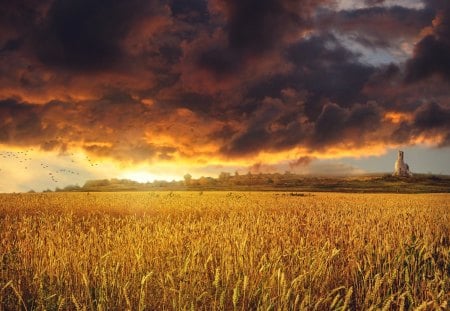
{"points": [[152, 90]]}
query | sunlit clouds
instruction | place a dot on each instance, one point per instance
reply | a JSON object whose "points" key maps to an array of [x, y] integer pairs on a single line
{"points": [[155, 89]]}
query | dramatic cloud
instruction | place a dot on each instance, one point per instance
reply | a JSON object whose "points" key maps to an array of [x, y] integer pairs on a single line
{"points": [[378, 26], [429, 120], [89, 35], [235, 82], [432, 52]]}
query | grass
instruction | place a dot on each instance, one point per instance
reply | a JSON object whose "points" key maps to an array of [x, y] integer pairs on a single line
{"points": [[224, 251]]}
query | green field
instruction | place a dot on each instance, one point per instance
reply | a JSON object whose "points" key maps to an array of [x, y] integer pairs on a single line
{"points": [[224, 251]]}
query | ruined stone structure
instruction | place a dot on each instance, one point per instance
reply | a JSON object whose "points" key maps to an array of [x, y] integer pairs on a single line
{"points": [[401, 168]]}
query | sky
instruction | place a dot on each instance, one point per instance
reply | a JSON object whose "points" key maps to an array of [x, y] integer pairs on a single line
{"points": [[155, 89]]}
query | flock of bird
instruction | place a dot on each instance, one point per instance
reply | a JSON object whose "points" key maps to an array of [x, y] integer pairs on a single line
{"points": [[24, 160], [21, 156]]}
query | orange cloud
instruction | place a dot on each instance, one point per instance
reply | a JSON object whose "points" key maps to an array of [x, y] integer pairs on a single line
{"points": [[398, 117], [221, 82]]}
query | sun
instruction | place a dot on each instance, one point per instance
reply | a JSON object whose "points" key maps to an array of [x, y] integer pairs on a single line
{"points": [[143, 176], [139, 176]]}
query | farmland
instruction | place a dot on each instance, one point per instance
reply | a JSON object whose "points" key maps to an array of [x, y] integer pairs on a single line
{"points": [[224, 250]]}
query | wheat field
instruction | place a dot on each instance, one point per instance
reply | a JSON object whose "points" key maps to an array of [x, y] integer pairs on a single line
{"points": [[224, 251]]}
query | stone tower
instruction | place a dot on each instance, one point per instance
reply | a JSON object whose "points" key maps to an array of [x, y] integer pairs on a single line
{"points": [[401, 168]]}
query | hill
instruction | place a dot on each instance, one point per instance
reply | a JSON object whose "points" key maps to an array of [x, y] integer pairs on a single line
{"points": [[376, 183]]}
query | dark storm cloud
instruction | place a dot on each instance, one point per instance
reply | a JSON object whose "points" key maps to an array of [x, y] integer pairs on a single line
{"points": [[165, 79], [193, 101], [336, 124], [223, 133], [323, 70], [21, 15], [221, 61], [257, 132], [268, 129], [192, 11], [429, 120], [432, 116], [254, 27], [273, 126], [10, 45], [258, 25], [329, 71], [432, 53], [21, 123], [87, 35]]}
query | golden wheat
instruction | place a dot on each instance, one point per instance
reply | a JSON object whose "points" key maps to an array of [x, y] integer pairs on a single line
{"points": [[224, 251]]}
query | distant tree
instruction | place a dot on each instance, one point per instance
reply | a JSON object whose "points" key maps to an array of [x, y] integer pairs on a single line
{"points": [[224, 176], [72, 188], [187, 179], [96, 183], [205, 181]]}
